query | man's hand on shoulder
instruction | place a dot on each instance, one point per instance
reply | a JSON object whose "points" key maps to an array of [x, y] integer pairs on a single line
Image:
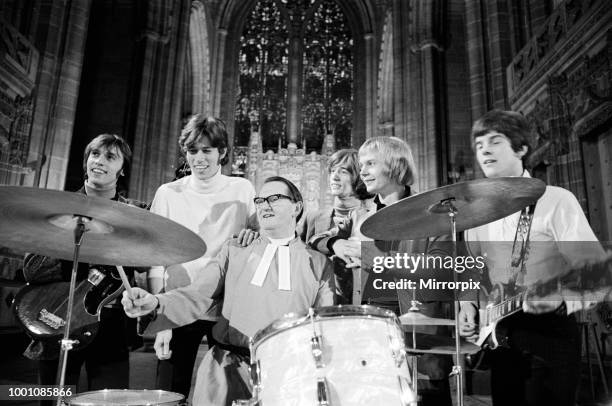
{"points": [[246, 237]]}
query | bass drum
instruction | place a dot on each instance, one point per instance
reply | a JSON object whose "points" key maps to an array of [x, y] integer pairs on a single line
{"points": [[336, 355], [126, 397]]}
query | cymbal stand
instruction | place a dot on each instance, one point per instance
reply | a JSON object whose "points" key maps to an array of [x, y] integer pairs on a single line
{"points": [[457, 370], [66, 343], [413, 364]]}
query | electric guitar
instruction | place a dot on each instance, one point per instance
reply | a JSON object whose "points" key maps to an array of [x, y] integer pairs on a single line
{"points": [[42, 309], [592, 281]]}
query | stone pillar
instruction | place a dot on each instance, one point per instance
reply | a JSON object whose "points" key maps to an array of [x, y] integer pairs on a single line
{"points": [[56, 98], [200, 58], [294, 88], [219, 62], [370, 87], [500, 53], [489, 53], [420, 121], [401, 95], [476, 59], [158, 117]]}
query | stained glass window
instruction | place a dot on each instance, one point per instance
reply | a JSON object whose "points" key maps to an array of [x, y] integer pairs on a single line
{"points": [[325, 74], [328, 77], [262, 94]]}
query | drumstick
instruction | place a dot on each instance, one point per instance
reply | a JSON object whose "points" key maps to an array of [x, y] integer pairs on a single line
{"points": [[125, 281]]}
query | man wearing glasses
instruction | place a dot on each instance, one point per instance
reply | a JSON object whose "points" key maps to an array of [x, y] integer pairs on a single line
{"points": [[275, 275]]}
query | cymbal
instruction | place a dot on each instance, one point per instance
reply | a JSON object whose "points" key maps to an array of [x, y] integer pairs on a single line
{"points": [[477, 202], [434, 344], [414, 318], [42, 221]]}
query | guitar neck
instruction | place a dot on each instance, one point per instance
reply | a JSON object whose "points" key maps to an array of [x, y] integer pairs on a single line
{"points": [[505, 308], [591, 277]]}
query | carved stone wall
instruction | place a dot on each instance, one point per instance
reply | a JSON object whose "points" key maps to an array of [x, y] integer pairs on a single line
{"points": [[18, 68], [164, 42], [62, 51], [307, 171], [199, 54], [562, 81]]}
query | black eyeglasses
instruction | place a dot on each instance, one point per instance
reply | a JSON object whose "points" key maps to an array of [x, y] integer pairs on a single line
{"points": [[271, 199]]}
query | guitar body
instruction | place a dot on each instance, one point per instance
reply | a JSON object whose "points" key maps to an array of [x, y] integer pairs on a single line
{"points": [[42, 309], [592, 280], [491, 335]]}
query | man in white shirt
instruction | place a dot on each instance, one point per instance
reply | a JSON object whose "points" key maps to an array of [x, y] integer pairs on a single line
{"points": [[212, 205], [541, 363]]}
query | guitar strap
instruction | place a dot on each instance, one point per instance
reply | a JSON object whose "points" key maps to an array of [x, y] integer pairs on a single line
{"points": [[520, 247]]}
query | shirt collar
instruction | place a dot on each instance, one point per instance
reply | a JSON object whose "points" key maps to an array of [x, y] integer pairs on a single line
{"points": [[380, 205]]}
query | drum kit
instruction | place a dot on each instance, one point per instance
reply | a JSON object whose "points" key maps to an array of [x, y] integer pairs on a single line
{"points": [[337, 355]]}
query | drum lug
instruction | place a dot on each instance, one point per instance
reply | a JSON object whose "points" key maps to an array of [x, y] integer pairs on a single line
{"points": [[322, 392], [246, 402], [317, 352], [398, 352], [255, 372], [407, 396]]}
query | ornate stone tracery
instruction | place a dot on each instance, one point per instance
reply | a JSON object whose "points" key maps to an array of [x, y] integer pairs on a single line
{"points": [[18, 67]]}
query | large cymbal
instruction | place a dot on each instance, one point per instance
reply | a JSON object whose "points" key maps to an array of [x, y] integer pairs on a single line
{"points": [[477, 202], [414, 318], [435, 344], [42, 221]]}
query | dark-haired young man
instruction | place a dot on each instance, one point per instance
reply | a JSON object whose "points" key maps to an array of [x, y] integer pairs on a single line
{"points": [[215, 207], [106, 158], [275, 275], [541, 365]]}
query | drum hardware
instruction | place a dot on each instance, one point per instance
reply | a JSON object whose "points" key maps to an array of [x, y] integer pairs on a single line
{"points": [[245, 402], [322, 391], [477, 202], [396, 345], [43, 221], [421, 343], [315, 341], [254, 374], [408, 397], [461, 206], [358, 369], [414, 318], [126, 397], [317, 353], [398, 351], [117, 234]]}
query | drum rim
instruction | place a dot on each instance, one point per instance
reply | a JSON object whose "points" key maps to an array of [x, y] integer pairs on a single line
{"points": [[180, 397], [291, 320]]}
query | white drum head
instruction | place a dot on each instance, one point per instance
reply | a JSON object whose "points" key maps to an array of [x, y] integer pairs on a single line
{"points": [[125, 397]]}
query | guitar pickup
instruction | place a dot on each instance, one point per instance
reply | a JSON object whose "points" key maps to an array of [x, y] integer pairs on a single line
{"points": [[51, 319], [95, 276]]}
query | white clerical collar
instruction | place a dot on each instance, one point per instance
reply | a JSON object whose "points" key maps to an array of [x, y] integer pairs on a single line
{"points": [[283, 261], [281, 241]]}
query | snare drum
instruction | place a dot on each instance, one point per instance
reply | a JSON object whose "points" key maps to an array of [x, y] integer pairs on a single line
{"points": [[126, 397], [337, 355]]}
